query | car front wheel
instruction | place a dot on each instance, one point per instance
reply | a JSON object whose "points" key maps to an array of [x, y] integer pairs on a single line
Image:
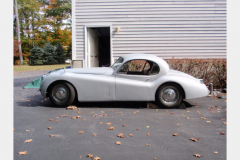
{"points": [[169, 95], [62, 94]]}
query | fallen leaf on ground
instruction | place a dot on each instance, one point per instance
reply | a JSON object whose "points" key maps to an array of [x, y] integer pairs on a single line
{"points": [[111, 128], [90, 155], [208, 121], [121, 135], [27, 131], [147, 126], [28, 100], [138, 128], [216, 152], [78, 109], [196, 106], [56, 117], [56, 120], [27, 141], [188, 111], [51, 135], [84, 119], [224, 122], [109, 123], [22, 152], [124, 125], [96, 158], [101, 122], [78, 116], [147, 144], [50, 119], [203, 118], [94, 134], [187, 117], [175, 134], [223, 119], [136, 112], [148, 134], [64, 115], [73, 117], [197, 155], [49, 128], [222, 133], [194, 140], [80, 132], [171, 113], [103, 115], [111, 110], [93, 115], [130, 135], [178, 124], [154, 158], [118, 143]]}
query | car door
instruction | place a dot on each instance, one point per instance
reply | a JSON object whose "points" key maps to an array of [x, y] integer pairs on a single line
{"points": [[133, 83]]}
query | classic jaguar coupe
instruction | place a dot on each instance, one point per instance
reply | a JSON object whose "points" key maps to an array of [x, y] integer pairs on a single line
{"points": [[133, 77]]}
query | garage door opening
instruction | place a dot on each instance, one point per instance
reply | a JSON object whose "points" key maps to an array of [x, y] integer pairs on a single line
{"points": [[98, 47]]}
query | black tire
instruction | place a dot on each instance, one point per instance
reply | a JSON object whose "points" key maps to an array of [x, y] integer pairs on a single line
{"points": [[169, 95], [62, 94]]}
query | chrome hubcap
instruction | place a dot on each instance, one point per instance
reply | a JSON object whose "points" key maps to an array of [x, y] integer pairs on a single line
{"points": [[169, 95], [60, 93]]}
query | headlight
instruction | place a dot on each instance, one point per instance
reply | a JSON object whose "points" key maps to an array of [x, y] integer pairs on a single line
{"points": [[44, 76], [201, 81]]}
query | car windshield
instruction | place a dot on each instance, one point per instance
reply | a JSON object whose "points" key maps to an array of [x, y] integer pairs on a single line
{"points": [[117, 63]]}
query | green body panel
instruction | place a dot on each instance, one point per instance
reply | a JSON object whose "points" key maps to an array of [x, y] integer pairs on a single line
{"points": [[37, 82]]}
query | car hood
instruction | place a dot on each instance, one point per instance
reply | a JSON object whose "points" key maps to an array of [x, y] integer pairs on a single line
{"points": [[97, 70], [175, 72]]}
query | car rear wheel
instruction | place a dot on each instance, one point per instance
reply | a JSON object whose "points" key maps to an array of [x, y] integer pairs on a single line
{"points": [[62, 94], [169, 95]]}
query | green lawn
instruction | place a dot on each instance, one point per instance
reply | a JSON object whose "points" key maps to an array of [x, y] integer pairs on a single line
{"points": [[38, 68]]}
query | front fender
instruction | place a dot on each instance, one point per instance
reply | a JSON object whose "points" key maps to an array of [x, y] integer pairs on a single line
{"points": [[48, 80], [191, 86]]}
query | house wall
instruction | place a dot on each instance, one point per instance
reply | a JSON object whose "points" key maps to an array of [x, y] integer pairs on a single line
{"points": [[166, 28]]}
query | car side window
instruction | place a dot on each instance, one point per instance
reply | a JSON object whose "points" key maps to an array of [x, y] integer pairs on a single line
{"points": [[139, 67], [124, 68]]}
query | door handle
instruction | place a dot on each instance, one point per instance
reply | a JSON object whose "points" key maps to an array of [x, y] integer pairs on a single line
{"points": [[147, 79]]}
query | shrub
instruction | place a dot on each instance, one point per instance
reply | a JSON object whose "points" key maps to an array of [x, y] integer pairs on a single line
{"points": [[211, 70]]}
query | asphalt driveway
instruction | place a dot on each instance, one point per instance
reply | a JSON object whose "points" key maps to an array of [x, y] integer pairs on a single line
{"points": [[152, 129]]}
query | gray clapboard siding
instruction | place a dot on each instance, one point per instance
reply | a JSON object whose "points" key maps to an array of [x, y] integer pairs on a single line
{"points": [[166, 28]]}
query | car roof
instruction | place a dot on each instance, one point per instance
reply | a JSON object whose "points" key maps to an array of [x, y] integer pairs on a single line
{"points": [[153, 58]]}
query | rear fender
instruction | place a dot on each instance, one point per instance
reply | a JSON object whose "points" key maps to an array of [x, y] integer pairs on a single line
{"points": [[191, 87]]}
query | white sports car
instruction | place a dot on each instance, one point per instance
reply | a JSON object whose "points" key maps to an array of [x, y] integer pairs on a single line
{"points": [[133, 77]]}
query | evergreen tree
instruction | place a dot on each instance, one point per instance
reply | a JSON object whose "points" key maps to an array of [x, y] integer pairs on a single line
{"points": [[49, 56], [60, 53], [36, 57]]}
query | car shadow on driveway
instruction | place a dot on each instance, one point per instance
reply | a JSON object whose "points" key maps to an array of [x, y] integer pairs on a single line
{"points": [[39, 101]]}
